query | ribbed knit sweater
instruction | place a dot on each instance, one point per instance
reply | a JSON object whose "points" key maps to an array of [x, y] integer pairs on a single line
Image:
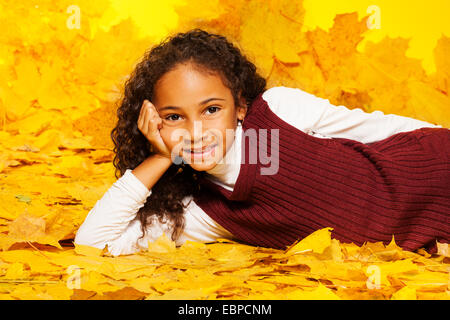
{"points": [[399, 186]]}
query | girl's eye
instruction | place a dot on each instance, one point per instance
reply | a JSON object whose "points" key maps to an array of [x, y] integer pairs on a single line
{"points": [[214, 107], [171, 119]]}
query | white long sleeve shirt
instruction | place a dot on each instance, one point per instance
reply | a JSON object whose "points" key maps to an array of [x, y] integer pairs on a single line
{"points": [[113, 220]]}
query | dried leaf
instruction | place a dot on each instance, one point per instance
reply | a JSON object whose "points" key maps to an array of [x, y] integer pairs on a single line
{"points": [[317, 242]]}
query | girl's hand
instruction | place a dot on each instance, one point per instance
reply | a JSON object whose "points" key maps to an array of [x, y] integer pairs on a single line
{"points": [[149, 123]]}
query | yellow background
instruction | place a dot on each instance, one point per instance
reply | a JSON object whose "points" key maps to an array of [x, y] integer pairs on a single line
{"points": [[421, 21]]}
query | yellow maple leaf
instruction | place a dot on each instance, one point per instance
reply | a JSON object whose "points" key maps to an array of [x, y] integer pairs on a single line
{"points": [[428, 104], [161, 245], [405, 293], [89, 251], [31, 228], [443, 249], [15, 271], [442, 59], [389, 56], [317, 242], [382, 271], [319, 293]]}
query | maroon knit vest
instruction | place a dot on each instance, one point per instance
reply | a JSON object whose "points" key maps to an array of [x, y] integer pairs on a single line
{"points": [[366, 192]]}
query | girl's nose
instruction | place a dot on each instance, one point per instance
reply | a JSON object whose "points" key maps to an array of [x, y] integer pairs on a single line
{"points": [[196, 133]]}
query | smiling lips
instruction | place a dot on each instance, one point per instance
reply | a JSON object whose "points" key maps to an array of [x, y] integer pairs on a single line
{"points": [[200, 151], [204, 153]]}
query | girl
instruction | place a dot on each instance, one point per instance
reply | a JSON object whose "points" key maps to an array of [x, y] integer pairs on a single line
{"points": [[194, 118]]}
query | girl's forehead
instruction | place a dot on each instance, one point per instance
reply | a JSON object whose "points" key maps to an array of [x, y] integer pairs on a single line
{"points": [[189, 85], [188, 74]]}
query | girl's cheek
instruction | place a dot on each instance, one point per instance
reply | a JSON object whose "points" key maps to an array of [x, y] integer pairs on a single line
{"points": [[165, 134], [170, 138]]}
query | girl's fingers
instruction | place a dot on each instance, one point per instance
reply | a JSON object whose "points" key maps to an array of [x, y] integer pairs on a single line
{"points": [[140, 121], [145, 119], [151, 119], [159, 124], [154, 120], [149, 124]]}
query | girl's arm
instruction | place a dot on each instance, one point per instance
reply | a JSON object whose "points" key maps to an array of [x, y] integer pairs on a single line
{"points": [[310, 113], [113, 220], [111, 215]]}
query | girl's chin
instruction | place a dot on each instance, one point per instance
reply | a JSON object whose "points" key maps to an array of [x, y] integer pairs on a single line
{"points": [[203, 166]]}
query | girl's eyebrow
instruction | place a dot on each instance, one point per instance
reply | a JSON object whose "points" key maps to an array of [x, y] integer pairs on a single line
{"points": [[201, 103]]}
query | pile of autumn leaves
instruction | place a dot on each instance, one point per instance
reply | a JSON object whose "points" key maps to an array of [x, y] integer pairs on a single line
{"points": [[318, 267]]}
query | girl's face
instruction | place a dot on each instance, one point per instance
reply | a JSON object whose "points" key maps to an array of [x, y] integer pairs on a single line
{"points": [[197, 111]]}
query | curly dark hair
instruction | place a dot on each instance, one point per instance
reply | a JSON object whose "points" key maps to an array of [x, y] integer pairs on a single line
{"points": [[210, 52]]}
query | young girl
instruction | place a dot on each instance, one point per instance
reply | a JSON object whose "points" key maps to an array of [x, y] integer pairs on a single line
{"points": [[194, 118]]}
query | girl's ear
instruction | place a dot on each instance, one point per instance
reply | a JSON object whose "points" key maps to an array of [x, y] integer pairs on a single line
{"points": [[241, 112], [242, 108]]}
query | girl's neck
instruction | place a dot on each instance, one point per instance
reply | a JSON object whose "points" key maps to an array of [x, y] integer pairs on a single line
{"points": [[226, 170]]}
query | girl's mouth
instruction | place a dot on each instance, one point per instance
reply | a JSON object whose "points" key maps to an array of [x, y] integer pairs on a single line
{"points": [[201, 153]]}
